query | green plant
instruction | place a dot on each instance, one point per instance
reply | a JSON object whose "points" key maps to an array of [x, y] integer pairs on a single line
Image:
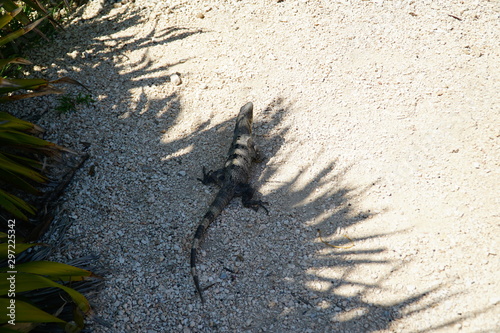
{"points": [[33, 288], [11, 11], [17, 169], [28, 11], [71, 102], [14, 23], [15, 28], [39, 87], [44, 290]]}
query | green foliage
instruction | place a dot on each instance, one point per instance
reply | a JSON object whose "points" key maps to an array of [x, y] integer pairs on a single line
{"points": [[17, 169], [70, 102], [16, 20], [18, 15], [12, 66], [30, 283], [10, 17], [42, 288]]}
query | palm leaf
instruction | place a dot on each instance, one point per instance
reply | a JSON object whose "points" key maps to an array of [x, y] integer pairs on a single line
{"points": [[18, 182], [8, 85], [26, 313], [13, 205], [36, 5], [20, 247], [53, 270], [15, 60], [7, 17], [24, 161], [10, 6], [44, 90], [4, 329], [28, 282], [20, 170], [20, 140], [18, 33]]}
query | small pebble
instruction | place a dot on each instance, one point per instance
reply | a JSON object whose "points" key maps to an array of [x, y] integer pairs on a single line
{"points": [[175, 79]]}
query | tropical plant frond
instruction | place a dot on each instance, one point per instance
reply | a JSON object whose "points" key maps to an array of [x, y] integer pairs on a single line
{"points": [[40, 92], [14, 60], [26, 313], [40, 86], [15, 205], [9, 122], [9, 85], [20, 247], [28, 282], [29, 162], [8, 16], [26, 142], [16, 170], [18, 33], [54, 271], [18, 182], [69, 80]]}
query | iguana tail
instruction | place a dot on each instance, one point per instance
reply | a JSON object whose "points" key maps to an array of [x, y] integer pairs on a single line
{"points": [[220, 201]]}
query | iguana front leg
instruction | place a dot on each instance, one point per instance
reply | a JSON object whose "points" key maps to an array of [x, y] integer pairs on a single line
{"points": [[212, 177], [257, 155]]}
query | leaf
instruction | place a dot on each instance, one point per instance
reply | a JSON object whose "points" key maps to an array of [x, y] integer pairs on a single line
{"points": [[16, 60], [53, 270], [20, 170], [25, 141], [18, 182], [13, 205], [11, 6], [18, 33], [5, 329], [39, 92], [26, 313], [37, 5], [7, 17], [20, 247], [24, 161], [8, 121], [8, 85], [28, 282], [69, 80]]}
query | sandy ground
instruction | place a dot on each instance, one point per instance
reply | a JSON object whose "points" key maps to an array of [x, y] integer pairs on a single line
{"points": [[380, 122]]}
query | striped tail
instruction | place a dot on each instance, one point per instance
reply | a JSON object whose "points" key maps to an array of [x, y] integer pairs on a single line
{"points": [[200, 231], [220, 201]]}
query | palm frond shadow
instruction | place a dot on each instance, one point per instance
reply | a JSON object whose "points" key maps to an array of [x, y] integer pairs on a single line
{"points": [[92, 55], [329, 292], [112, 63]]}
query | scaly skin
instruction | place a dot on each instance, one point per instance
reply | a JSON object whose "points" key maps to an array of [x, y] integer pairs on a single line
{"points": [[233, 182]]}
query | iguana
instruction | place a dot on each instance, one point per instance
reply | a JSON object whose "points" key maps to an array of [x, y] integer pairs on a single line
{"points": [[232, 179]]}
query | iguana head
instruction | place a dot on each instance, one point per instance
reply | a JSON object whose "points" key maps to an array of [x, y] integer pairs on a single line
{"points": [[244, 120]]}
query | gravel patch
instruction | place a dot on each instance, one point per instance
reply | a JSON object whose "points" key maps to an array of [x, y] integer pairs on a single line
{"points": [[379, 120]]}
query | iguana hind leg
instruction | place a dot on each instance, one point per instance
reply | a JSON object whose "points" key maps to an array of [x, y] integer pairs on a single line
{"points": [[247, 193]]}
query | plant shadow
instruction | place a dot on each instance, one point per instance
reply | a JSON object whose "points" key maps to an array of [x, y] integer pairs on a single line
{"points": [[327, 282]]}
